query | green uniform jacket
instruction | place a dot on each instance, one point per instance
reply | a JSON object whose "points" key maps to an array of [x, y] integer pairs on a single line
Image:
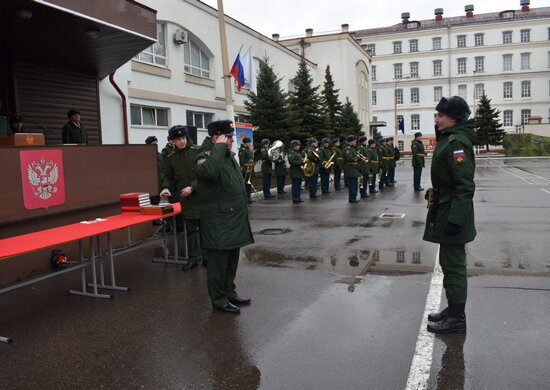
{"points": [[351, 167], [339, 159], [280, 168], [295, 161], [374, 163], [224, 210], [383, 158], [324, 155], [72, 134], [246, 156], [417, 148], [391, 154], [5, 129], [364, 165], [313, 155], [452, 171], [267, 166], [179, 168]]}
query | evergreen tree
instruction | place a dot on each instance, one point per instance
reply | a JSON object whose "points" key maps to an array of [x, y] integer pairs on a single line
{"points": [[349, 120], [305, 107], [332, 107], [488, 127], [376, 133]]}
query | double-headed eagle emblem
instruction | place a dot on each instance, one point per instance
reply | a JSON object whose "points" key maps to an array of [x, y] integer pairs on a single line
{"points": [[42, 176]]}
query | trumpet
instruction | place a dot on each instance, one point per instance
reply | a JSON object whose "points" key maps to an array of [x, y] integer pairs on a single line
{"points": [[327, 164], [362, 157], [248, 173]]}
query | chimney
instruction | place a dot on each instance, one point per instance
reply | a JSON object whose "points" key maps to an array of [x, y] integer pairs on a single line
{"points": [[438, 12], [345, 28], [309, 32], [275, 37], [525, 5], [405, 16], [469, 10]]}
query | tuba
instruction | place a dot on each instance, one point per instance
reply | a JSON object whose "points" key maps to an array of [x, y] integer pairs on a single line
{"points": [[308, 167], [275, 151]]}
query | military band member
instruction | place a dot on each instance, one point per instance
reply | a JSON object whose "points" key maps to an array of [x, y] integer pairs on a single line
{"points": [[392, 161], [324, 155], [312, 152], [267, 169], [364, 167], [280, 173], [179, 170], [246, 161], [351, 168], [374, 165], [338, 163], [224, 216], [296, 160], [417, 148], [383, 160], [450, 220]]}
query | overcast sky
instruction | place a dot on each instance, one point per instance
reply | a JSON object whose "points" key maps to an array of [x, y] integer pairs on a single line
{"points": [[292, 17]]}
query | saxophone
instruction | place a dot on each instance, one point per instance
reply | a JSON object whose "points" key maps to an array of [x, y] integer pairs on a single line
{"points": [[327, 164]]}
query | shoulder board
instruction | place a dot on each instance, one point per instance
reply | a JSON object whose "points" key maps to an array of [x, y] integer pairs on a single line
{"points": [[452, 138], [194, 147]]}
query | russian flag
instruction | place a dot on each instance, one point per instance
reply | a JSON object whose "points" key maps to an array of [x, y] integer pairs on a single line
{"points": [[237, 71]]}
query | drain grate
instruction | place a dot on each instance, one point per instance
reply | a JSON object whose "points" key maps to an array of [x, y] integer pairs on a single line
{"points": [[392, 215], [274, 232]]}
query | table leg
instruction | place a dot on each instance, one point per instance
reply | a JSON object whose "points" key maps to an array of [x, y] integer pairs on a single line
{"points": [[113, 285], [84, 291], [175, 259]]}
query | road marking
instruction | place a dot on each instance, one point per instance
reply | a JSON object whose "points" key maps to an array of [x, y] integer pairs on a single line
{"points": [[422, 360], [542, 189], [519, 177]]}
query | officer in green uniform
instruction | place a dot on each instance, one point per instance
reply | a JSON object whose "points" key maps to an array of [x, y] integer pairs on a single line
{"points": [[5, 129], [363, 166], [280, 173], [338, 163], [312, 153], [267, 169], [74, 132], [180, 169], [392, 162], [450, 220], [246, 161], [417, 148], [296, 160], [325, 153], [383, 160], [351, 168], [374, 165], [224, 216]]}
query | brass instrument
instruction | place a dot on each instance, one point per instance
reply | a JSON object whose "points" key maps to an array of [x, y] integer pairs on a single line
{"points": [[362, 157], [248, 173], [327, 164], [275, 151], [308, 167]]}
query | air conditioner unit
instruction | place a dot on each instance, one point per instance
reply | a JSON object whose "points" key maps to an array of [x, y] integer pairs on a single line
{"points": [[181, 37]]}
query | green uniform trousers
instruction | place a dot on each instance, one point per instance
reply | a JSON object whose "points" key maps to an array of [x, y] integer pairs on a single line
{"points": [[192, 235], [453, 262], [220, 275]]}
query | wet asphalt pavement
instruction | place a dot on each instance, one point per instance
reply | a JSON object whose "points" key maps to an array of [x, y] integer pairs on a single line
{"points": [[338, 295]]}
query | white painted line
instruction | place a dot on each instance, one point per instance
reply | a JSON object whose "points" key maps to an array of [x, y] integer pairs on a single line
{"points": [[422, 361], [519, 177], [542, 189]]}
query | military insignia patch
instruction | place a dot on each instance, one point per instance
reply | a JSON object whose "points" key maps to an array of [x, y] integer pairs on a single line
{"points": [[459, 156]]}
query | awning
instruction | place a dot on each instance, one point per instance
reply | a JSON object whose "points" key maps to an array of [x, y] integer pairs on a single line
{"points": [[378, 124]]}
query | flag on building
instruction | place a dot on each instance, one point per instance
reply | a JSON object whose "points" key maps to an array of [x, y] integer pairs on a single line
{"points": [[402, 125], [237, 71], [249, 71]]}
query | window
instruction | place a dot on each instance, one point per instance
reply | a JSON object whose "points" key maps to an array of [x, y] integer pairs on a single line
{"points": [[525, 114], [199, 119], [372, 48], [507, 37], [399, 96], [400, 119], [506, 62], [437, 67], [508, 15], [549, 33], [397, 71], [478, 39], [461, 41], [461, 62], [479, 90], [508, 118], [438, 93], [148, 116], [415, 122], [415, 96], [549, 59], [507, 90], [413, 45], [480, 64], [525, 35], [195, 60], [525, 60], [463, 91], [374, 98], [373, 72], [397, 47], [436, 43], [414, 69], [525, 89], [156, 53], [401, 145]]}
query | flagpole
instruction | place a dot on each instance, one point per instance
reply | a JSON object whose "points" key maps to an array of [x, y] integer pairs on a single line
{"points": [[230, 111]]}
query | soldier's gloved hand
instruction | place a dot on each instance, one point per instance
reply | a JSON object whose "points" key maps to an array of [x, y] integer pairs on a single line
{"points": [[452, 230]]}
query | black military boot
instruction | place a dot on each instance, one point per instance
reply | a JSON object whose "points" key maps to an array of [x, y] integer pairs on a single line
{"points": [[436, 317], [455, 322]]}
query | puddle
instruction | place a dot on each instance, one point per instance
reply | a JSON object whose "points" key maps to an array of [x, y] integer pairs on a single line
{"points": [[274, 232]]}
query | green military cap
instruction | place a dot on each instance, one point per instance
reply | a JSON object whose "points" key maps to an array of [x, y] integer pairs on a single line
{"points": [[177, 132], [351, 138], [362, 139], [225, 127], [246, 140]]}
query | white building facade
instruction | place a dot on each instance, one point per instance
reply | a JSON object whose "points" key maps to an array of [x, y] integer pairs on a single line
{"points": [[504, 54]]}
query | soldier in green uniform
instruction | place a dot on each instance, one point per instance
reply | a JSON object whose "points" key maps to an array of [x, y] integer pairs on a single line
{"points": [[351, 168], [338, 163], [374, 165], [74, 132], [450, 220], [312, 153], [267, 169], [363, 166], [324, 156], [393, 155], [5, 129], [246, 161], [224, 216], [417, 148], [179, 169], [280, 172], [383, 161], [296, 160]]}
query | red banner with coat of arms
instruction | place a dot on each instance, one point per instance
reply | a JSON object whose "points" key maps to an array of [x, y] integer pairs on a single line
{"points": [[42, 178]]}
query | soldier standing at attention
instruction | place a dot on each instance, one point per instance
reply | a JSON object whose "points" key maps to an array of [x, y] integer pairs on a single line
{"points": [[312, 153], [179, 170], [74, 132], [224, 216], [246, 161], [374, 165], [338, 164], [267, 169], [383, 159], [417, 148], [351, 169], [296, 161], [324, 156], [394, 157], [450, 220], [280, 172], [364, 167]]}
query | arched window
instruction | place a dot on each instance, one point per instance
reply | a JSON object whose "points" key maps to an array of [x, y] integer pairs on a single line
{"points": [[196, 58]]}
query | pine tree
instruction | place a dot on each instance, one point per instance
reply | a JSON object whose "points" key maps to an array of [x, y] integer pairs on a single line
{"points": [[332, 109], [305, 107], [349, 120], [488, 127]]}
